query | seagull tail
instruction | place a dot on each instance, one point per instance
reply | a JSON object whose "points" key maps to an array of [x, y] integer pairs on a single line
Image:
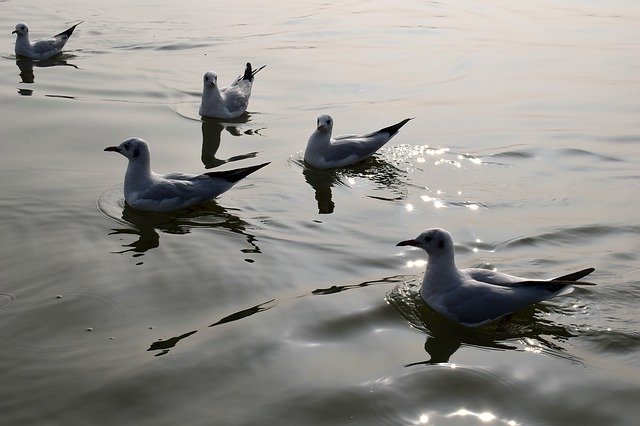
{"points": [[392, 130], [235, 175], [250, 73], [69, 31], [575, 276]]}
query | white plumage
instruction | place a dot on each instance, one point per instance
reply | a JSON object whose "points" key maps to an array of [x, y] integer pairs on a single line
{"points": [[227, 102], [150, 191], [42, 48], [475, 296], [325, 152]]}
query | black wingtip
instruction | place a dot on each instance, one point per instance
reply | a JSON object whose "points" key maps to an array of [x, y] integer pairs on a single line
{"points": [[392, 130], [575, 276], [69, 31], [249, 73], [235, 175]]}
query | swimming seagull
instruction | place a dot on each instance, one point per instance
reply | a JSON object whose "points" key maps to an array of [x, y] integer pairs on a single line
{"points": [[325, 152], [146, 190], [227, 102], [44, 48], [475, 296]]}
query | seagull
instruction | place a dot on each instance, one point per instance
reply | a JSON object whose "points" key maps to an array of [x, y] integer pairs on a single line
{"points": [[325, 152], [149, 191], [474, 296], [44, 48], [227, 102]]}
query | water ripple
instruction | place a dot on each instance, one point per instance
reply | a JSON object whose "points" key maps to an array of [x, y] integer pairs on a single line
{"points": [[6, 299], [561, 236]]}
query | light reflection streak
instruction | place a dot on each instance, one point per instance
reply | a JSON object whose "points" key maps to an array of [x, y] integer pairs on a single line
{"points": [[484, 416]]}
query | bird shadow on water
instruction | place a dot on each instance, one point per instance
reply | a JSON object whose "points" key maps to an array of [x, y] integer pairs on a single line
{"points": [[212, 136], [385, 175], [163, 346], [523, 331], [26, 66], [147, 225]]}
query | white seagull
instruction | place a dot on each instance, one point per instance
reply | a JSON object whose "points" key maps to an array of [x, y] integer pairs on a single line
{"points": [[474, 296], [325, 152], [227, 102], [146, 190], [44, 48]]}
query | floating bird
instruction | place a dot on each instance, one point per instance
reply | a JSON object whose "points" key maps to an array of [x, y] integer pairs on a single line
{"points": [[325, 152], [44, 48], [227, 102], [475, 296], [146, 190]]}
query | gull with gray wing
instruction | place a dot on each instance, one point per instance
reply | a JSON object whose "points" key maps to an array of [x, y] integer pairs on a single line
{"points": [[474, 296], [42, 48], [146, 190], [227, 102], [325, 152]]}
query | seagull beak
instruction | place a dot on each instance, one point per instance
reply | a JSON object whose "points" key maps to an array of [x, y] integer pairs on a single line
{"points": [[321, 126], [112, 148], [14, 32], [412, 243]]}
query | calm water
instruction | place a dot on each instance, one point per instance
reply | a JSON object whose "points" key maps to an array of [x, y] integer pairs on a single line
{"points": [[285, 301]]}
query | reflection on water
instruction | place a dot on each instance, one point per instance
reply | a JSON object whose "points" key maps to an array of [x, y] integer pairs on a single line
{"points": [[322, 181], [212, 135], [165, 345], [246, 312], [145, 225], [445, 337], [378, 171], [26, 67]]}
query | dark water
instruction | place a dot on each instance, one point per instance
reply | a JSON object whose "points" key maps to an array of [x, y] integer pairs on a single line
{"points": [[285, 301]]}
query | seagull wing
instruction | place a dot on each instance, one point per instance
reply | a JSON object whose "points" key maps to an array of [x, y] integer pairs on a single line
{"points": [[236, 97], [498, 278], [168, 194], [479, 303], [48, 45], [349, 149], [53, 45]]}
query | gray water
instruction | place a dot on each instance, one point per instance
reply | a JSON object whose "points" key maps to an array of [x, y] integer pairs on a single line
{"points": [[285, 300]]}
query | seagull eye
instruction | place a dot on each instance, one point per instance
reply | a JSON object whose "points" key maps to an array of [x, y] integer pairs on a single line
{"points": [[127, 146], [428, 239]]}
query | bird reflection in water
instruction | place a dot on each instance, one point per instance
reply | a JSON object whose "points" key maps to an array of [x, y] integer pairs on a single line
{"points": [[208, 215], [212, 135], [445, 337], [26, 67], [385, 175]]}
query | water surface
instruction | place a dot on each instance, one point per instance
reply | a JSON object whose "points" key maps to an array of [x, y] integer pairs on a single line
{"points": [[285, 300]]}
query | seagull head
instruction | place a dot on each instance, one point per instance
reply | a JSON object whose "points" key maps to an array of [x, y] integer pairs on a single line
{"points": [[325, 122], [21, 29], [434, 241], [134, 149], [210, 79]]}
